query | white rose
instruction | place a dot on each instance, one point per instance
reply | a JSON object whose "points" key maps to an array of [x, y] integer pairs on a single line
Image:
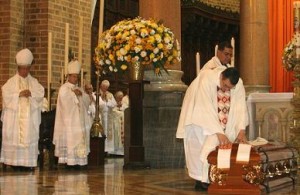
{"points": [[143, 54], [138, 41], [107, 61]]}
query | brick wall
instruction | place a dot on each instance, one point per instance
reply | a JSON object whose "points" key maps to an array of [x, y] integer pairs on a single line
{"points": [[11, 34], [27, 23], [67, 11], [229, 5]]}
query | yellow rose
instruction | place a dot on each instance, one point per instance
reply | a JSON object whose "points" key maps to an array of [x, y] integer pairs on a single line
{"points": [[160, 45], [111, 57], [123, 67], [127, 47], [151, 39], [152, 55], [160, 29]]}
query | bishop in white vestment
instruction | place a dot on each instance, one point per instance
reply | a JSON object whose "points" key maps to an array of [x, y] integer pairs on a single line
{"points": [[21, 115], [72, 123], [213, 113]]}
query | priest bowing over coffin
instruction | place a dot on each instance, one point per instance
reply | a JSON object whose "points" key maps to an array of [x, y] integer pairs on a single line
{"points": [[72, 123], [21, 115], [213, 113]]}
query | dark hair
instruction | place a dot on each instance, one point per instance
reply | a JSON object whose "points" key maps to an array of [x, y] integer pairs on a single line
{"points": [[223, 45], [232, 74]]}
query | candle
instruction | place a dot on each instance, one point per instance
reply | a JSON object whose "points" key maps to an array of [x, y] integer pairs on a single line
{"points": [[197, 63], [233, 47], [80, 40], [66, 47], [49, 68], [296, 16], [216, 50], [62, 76], [297, 45], [101, 16], [81, 78]]}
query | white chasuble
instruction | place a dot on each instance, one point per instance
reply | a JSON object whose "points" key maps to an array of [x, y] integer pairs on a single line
{"points": [[21, 119], [72, 127], [199, 120]]}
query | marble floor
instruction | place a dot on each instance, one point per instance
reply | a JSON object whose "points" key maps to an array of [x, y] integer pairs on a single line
{"points": [[109, 179]]}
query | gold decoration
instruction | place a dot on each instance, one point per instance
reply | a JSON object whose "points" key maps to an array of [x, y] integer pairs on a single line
{"points": [[97, 129], [136, 71], [217, 176], [253, 174]]}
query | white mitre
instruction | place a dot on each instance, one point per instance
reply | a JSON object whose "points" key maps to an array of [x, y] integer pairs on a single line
{"points": [[74, 67], [24, 57]]}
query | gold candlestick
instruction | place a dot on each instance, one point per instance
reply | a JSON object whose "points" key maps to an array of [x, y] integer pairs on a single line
{"points": [[97, 129]]}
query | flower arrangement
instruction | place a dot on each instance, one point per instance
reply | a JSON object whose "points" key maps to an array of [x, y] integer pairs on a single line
{"points": [[289, 53], [137, 40]]}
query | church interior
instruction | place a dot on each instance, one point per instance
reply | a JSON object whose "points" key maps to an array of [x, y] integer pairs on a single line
{"points": [[265, 38]]}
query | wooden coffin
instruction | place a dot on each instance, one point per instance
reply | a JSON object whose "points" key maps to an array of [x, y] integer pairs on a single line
{"points": [[241, 178]]}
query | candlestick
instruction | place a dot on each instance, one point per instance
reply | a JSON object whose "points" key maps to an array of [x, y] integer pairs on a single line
{"points": [[80, 39], [233, 48], [66, 47], [101, 17], [216, 50], [49, 68], [197, 63], [81, 78]]}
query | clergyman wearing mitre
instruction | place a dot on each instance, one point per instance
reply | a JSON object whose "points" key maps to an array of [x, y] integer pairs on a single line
{"points": [[21, 115], [72, 123]]}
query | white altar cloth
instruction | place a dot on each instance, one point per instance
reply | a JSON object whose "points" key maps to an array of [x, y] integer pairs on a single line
{"points": [[254, 98]]}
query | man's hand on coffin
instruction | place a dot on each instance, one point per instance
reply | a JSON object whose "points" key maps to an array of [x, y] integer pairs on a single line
{"points": [[224, 142], [241, 138]]}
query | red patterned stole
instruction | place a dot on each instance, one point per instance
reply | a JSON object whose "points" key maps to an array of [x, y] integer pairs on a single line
{"points": [[223, 106]]}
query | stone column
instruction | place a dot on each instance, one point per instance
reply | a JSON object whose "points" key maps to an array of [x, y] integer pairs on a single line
{"points": [[163, 96], [254, 46], [162, 105], [169, 11]]}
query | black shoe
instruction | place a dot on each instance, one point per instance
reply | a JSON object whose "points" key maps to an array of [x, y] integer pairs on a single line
{"points": [[201, 186]]}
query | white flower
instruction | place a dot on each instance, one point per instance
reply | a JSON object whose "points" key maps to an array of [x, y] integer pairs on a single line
{"points": [[132, 32], [154, 59], [101, 62], [156, 50], [169, 46], [107, 61], [143, 54], [111, 68], [152, 32], [123, 51], [136, 58], [138, 41], [137, 49], [167, 40]]}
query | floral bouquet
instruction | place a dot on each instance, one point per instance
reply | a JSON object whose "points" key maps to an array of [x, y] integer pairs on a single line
{"points": [[137, 40], [289, 57]]}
